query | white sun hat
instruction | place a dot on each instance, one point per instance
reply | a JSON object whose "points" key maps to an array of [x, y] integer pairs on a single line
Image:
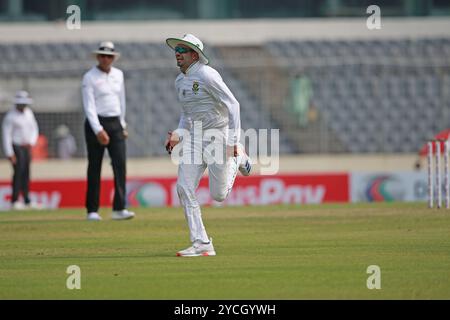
{"points": [[106, 47], [192, 42], [22, 97]]}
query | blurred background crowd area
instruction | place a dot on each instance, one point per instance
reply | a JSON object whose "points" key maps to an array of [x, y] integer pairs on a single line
{"points": [[309, 68]]}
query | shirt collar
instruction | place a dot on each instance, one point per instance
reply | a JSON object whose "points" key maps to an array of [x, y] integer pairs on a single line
{"points": [[193, 67], [103, 72]]}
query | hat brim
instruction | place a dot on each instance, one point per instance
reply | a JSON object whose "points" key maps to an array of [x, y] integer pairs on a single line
{"points": [[23, 101], [173, 42], [97, 52]]}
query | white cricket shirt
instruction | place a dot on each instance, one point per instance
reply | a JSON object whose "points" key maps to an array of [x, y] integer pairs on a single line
{"points": [[205, 97], [104, 96], [19, 128]]}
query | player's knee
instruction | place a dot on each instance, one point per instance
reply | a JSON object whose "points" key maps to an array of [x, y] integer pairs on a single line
{"points": [[219, 195], [181, 190], [185, 192]]}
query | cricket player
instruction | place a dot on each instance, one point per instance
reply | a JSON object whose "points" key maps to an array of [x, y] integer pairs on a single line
{"points": [[207, 103]]}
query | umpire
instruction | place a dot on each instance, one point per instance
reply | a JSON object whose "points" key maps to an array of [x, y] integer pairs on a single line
{"points": [[104, 104], [20, 133]]}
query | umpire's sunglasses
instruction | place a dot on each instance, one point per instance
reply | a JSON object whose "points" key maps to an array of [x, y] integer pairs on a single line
{"points": [[182, 49]]}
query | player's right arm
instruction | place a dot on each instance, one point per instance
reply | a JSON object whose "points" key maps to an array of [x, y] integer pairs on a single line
{"points": [[90, 110], [222, 94], [175, 136], [34, 129], [7, 128]]}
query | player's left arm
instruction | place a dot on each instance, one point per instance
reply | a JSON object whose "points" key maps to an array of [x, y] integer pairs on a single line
{"points": [[220, 91], [7, 132], [34, 132], [123, 107]]}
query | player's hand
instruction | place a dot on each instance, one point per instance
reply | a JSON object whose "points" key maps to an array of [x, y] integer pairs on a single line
{"points": [[12, 159], [103, 138], [171, 141], [125, 133]]}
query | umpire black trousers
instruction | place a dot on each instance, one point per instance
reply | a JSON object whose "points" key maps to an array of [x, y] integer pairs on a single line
{"points": [[21, 176], [117, 153]]}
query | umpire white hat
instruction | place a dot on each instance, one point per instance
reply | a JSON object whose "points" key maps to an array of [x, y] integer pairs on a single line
{"points": [[22, 97], [106, 47]]}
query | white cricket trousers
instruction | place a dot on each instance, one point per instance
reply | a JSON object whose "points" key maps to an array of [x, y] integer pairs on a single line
{"points": [[221, 179]]}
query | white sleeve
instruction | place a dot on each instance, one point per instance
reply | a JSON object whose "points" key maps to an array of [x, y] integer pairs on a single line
{"points": [[123, 104], [219, 90], [90, 111], [183, 124], [7, 128], [34, 128]]}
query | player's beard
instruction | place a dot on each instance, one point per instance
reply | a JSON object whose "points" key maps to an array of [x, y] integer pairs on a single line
{"points": [[182, 65]]}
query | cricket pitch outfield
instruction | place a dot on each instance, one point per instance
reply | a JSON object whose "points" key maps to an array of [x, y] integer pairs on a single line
{"points": [[271, 252]]}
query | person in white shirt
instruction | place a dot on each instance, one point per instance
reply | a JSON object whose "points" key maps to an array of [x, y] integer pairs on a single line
{"points": [[20, 133], [209, 105], [103, 92]]}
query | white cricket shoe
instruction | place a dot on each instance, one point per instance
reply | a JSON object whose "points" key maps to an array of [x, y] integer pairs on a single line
{"points": [[198, 249], [93, 216], [18, 206], [122, 215]]}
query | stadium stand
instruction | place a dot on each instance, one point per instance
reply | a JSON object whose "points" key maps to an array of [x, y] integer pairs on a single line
{"points": [[376, 96], [367, 96], [151, 101]]}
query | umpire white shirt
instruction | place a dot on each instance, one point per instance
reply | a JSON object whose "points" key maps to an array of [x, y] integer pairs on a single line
{"points": [[206, 98], [104, 96], [19, 128]]}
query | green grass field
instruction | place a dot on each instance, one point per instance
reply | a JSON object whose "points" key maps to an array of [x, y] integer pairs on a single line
{"points": [[273, 252]]}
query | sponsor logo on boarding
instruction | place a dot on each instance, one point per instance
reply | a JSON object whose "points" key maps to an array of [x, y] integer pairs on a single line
{"points": [[160, 192], [266, 191], [382, 188], [276, 190], [146, 194], [48, 199]]}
